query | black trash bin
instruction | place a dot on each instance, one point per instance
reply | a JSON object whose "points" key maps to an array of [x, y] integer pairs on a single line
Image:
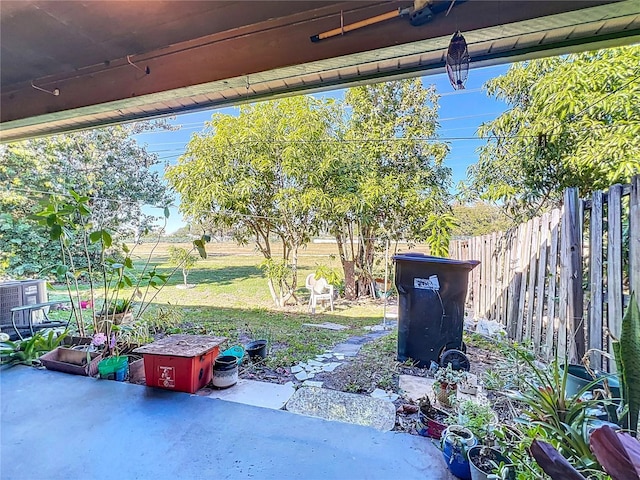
{"points": [[432, 292]]}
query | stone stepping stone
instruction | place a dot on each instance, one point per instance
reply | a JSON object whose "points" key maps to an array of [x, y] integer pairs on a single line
{"points": [[258, 394], [346, 350], [327, 325], [416, 387], [311, 383], [331, 366], [343, 407], [383, 395]]}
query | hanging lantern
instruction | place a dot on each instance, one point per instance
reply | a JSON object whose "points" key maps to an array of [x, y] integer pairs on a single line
{"points": [[458, 61]]}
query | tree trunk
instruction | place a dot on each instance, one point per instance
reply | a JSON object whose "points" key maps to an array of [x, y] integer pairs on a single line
{"points": [[184, 276], [274, 295], [350, 292]]}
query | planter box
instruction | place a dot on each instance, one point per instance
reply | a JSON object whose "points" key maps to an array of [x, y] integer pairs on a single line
{"points": [[74, 341], [71, 361]]}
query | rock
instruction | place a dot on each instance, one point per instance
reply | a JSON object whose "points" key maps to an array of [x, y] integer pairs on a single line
{"points": [[331, 366], [296, 369], [302, 375], [311, 383], [343, 407]]}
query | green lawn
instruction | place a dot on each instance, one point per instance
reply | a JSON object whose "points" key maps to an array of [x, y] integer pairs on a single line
{"points": [[231, 298]]}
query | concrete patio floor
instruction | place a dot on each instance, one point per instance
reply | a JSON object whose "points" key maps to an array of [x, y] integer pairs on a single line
{"points": [[60, 426]]}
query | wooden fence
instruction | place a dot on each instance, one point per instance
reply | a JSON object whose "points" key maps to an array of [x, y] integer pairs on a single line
{"points": [[561, 280]]}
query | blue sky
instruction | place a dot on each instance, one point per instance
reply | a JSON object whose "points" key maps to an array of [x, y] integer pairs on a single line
{"points": [[461, 112]]}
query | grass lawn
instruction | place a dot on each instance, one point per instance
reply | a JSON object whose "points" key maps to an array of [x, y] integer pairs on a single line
{"points": [[231, 298]]}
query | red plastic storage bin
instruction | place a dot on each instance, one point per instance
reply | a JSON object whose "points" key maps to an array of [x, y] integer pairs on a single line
{"points": [[180, 362]]}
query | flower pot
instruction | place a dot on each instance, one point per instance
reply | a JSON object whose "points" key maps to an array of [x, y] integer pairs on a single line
{"points": [[225, 371], [103, 321], [257, 349], [456, 441], [579, 377], [114, 368], [480, 462], [432, 424], [444, 391]]}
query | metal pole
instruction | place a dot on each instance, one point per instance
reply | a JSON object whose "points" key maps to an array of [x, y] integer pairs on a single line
{"points": [[386, 281]]}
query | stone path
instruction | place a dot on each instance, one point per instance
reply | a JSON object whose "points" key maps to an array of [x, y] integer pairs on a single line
{"points": [[332, 359], [376, 410]]}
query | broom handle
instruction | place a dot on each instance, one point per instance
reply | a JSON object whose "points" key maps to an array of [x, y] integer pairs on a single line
{"points": [[354, 26]]}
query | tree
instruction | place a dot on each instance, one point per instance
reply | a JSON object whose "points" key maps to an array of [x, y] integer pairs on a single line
{"points": [[181, 257], [573, 122], [390, 179], [106, 164], [260, 176], [479, 218]]}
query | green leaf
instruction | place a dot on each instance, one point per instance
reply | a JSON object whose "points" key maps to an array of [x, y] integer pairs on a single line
{"points": [[95, 236], [199, 244], [62, 270], [106, 239], [166, 212], [56, 232]]}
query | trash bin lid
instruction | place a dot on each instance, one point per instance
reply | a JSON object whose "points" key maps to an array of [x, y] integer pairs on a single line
{"points": [[421, 257]]}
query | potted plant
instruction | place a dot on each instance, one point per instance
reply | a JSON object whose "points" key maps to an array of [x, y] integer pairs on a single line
{"points": [[432, 420], [456, 441], [117, 313], [487, 463], [477, 417], [446, 384]]}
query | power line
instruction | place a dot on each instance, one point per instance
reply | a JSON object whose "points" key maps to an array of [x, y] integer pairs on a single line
{"points": [[62, 194]]}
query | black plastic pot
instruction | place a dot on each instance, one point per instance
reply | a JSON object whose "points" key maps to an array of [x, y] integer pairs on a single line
{"points": [[257, 349], [225, 371]]}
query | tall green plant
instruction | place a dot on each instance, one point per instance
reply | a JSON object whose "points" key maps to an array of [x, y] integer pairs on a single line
{"points": [[565, 419], [67, 218], [627, 355]]}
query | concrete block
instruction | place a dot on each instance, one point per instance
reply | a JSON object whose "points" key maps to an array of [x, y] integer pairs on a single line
{"points": [[258, 394]]}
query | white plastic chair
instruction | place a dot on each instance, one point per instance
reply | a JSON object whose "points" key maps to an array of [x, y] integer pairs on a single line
{"points": [[320, 291]]}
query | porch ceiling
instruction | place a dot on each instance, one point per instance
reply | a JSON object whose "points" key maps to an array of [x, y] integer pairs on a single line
{"points": [[204, 54]]}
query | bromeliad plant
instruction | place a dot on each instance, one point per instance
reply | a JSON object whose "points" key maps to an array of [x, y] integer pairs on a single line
{"points": [[565, 420], [108, 268]]}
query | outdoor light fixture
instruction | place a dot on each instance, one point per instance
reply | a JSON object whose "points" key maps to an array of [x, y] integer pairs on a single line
{"points": [[458, 61], [55, 92]]}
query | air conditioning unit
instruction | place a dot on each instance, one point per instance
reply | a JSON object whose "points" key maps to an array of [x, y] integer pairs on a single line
{"points": [[17, 293]]}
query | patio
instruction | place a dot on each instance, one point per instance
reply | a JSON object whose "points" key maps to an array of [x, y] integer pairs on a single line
{"points": [[64, 426]]}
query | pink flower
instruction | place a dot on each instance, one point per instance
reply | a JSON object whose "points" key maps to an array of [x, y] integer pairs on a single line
{"points": [[99, 339], [112, 342], [84, 304]]}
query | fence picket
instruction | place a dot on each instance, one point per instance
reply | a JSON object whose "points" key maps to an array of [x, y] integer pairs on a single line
{"points": [[552, 319], [531, 283], [614, 263], [543, 243], [595, 278], [514, 285], [634, 236], [525, 251]]}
